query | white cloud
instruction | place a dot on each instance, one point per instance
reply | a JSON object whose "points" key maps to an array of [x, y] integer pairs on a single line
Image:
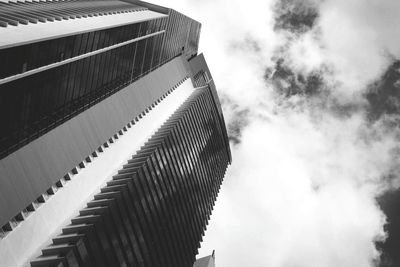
{"points": [[299, 196], [306, 54], [356, 39], [301, 191]]}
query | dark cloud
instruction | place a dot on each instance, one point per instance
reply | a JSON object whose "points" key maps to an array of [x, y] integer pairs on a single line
{"points": [[384, 95], [294, 16], [343, 110], [289, 83], [383, 98], [236, 126], [297, 16], [310, 91], [390, 203]]}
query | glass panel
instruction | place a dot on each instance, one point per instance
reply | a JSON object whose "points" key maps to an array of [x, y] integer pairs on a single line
{"points": [[63, 92]]}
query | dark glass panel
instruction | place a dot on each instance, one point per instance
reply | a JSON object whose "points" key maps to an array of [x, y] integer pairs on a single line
{"points": [[162, 221], [173, 203], [63, 92], [69, 46], [148, 55], [137, 66]]}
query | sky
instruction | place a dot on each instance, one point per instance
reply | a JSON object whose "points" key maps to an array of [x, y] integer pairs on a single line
{"points": [[309, 93]]}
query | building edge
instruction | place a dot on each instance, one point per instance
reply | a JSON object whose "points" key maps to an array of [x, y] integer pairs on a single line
{"points": [[200, 75]]}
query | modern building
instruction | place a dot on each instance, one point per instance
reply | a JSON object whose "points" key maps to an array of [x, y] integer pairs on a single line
{"points": [[113, 144], [207, 261]]}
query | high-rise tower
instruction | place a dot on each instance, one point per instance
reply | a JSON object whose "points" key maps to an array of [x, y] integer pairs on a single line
{"points": [[113, 144]]}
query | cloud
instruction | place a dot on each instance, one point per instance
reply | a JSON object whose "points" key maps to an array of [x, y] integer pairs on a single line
{"points": [[238, 119], [295, 16], [313, 140], [384, 95], [298, 198], [355, 40]]}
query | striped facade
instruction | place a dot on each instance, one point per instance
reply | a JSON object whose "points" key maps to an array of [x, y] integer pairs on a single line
{"points": [[114, 145], [155, 210], [15, 13]]}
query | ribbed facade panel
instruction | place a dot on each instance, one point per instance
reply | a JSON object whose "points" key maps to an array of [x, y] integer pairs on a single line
{"points": [[155, 210], [15, 13], [201, 76], [182, 35]]}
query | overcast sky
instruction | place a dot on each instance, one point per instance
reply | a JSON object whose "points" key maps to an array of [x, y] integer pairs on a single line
{"points": [[309, 92]]}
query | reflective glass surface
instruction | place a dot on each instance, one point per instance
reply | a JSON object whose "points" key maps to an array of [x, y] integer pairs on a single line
{"points": [[33, 105]]}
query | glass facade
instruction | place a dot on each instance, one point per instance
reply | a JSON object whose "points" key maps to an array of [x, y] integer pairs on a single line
{"points": [[155, 210], [32, 105]]}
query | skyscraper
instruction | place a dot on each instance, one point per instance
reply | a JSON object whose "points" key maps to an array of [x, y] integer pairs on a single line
{"points": [[113, 144]]}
